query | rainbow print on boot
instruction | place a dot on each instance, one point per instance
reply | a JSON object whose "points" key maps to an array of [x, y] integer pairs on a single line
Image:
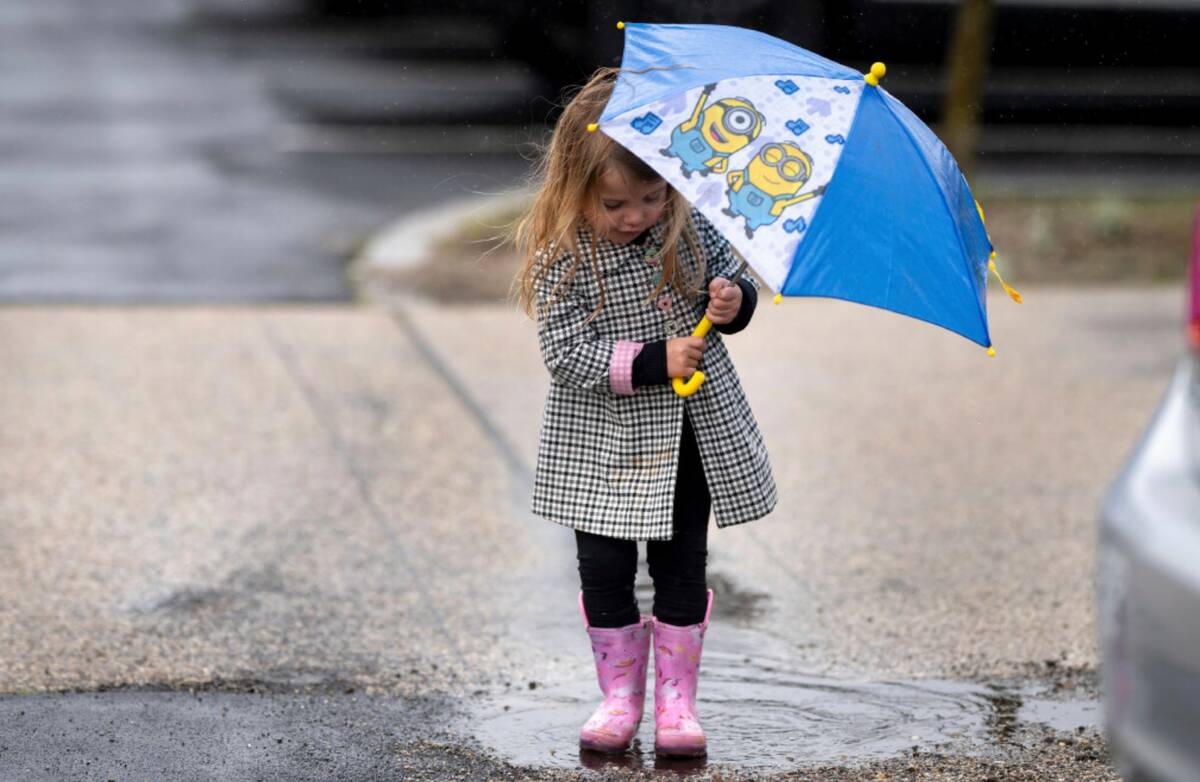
{"points": [[622, 656], [677, 731]]}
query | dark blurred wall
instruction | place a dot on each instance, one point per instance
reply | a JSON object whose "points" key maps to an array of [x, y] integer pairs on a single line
{"points": [[564, 40], [1043, 33]]}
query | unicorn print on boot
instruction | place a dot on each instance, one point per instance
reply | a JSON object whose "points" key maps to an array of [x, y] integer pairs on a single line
{"points": [[677, 731], [622, 656]]}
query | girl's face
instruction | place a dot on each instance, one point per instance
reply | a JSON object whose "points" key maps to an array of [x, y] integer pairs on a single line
{"points": [[628, 205]]}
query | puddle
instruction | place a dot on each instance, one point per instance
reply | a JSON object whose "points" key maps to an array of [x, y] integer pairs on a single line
{"points": [[1062, 716], [759, 712], [766, 717]]}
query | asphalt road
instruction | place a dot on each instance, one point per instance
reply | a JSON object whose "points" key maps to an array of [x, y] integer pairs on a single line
{"points": [[310, 520], [143, 161]]}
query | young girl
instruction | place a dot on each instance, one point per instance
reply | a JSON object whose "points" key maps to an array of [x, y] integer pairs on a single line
{"points": [[618, 271]]}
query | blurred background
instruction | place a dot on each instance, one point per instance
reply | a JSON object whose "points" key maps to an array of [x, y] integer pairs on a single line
{"points": [[211, 150], [238, 499]]}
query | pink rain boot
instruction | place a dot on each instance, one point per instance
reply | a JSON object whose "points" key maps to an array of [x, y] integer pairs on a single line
{"points": [[677, 730], [622, 657]]}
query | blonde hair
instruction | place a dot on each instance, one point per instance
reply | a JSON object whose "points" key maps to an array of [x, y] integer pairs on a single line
{"points": [[565, 183]]}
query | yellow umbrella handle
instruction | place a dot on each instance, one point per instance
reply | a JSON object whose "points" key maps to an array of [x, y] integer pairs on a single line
{"points": [[692, 384]]}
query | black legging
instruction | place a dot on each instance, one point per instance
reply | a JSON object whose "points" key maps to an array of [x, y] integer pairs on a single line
{"points": [[608, 566]]}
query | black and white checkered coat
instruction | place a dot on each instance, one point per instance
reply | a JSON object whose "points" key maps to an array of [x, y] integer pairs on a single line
{"points": [[607, 462]]}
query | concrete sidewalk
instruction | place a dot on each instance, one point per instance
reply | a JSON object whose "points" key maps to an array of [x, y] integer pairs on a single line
{"points": [[280, 494], [304, 492], [937, 507], [332, 501]]}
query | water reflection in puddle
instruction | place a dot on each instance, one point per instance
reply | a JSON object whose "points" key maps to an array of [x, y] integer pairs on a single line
{"points": [[764, 716]]}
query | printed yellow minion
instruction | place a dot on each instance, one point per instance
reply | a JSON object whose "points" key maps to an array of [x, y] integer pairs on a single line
{"points": [[769, 184], [706, 139]]}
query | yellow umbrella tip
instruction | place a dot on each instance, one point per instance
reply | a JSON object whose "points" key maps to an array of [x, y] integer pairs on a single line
{"points": [[778, 298], [878, 71], [620, 25], [992, 352], [592, 127]]}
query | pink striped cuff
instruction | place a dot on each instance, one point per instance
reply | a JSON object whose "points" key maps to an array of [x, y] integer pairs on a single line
{"points": [[620, 367]]}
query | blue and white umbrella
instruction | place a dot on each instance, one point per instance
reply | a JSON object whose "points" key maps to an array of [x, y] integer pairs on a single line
{"points": [[824, 183]]}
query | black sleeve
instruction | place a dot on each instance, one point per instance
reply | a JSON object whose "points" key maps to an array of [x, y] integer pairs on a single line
{"points": [[745, 312], [650, 365]]}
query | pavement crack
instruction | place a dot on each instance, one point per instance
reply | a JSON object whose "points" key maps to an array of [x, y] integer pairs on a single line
{"points": [[520, 472], [362, 483]]}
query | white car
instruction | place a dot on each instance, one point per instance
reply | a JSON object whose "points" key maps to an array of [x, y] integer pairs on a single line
{"points": [[1148, 584]]}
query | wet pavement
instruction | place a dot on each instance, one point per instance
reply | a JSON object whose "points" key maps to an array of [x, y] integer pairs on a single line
{"points": [[260, 732], [762, 716], [204, 735], [150, 154], [315, 516]]}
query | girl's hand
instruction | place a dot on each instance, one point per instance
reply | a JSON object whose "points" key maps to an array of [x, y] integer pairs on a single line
{"points": [[724, 300], [683, 356]]}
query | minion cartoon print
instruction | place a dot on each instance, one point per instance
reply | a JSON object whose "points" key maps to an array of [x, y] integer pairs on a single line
{"points": [[770, 183], [705, 140]]}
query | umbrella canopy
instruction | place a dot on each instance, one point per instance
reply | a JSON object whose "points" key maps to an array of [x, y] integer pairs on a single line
{"points": [[826, 184]]}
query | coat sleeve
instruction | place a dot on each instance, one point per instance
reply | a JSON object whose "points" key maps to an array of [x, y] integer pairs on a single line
{"points": [[573, 350]]}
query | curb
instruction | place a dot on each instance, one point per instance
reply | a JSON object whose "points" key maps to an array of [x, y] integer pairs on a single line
{"points": [[406, 242]]}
